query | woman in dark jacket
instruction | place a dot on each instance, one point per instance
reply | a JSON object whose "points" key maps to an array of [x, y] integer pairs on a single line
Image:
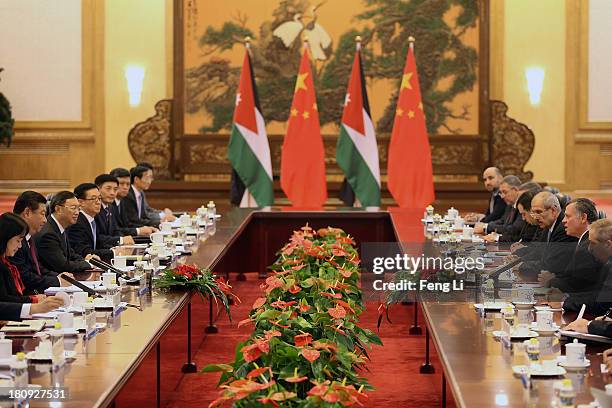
{"points": [[12, 231]]}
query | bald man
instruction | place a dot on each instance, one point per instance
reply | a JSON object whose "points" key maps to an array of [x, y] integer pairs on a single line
{"points": [[492, 178]]}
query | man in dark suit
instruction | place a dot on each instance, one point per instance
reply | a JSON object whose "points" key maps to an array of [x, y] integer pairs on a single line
{"points": [[156, 215], [491, 177], [84, 236], [529, 229], [31, 207], [117, 208], [583, 273], [54, 251], [555, 248], [17, 311], [599, 301], [134, 202], [106, 219], [511, 220]]}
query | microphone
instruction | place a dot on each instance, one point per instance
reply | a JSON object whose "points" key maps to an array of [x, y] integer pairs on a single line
{"points": [[104, 265], [79, 285]]}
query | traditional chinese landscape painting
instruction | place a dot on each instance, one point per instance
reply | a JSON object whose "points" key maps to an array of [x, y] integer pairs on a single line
{"points": [[447, 49]]}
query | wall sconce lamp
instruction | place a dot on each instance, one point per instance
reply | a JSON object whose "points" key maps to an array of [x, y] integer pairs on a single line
{"points": [[134, 75], [535, 82]]}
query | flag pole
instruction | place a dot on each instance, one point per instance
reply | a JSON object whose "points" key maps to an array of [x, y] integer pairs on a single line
{"points": [[411, 41], [249, 198], [358, 43]]}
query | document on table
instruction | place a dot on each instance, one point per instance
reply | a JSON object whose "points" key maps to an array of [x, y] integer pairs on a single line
{"points": [[585, 336]]}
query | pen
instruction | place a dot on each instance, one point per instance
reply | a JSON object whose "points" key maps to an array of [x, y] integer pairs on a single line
{"points": [[582, 309], [608, 313]]}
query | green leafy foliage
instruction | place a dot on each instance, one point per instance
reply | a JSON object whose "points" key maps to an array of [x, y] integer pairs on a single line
{"points": [[307, 348]]}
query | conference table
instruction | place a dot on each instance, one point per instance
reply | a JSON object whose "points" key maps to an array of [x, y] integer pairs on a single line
{"points": [[476, 366]]}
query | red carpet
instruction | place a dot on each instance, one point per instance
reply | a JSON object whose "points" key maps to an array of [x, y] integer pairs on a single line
{"points": [[394, 369]]}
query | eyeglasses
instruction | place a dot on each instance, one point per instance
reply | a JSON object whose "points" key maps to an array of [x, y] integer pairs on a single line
{"points": [[538, 213], [96, 198], [73, 208]]}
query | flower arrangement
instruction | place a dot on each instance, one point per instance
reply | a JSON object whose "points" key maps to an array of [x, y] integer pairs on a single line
{"points": [[307, 347], [202, 281]]}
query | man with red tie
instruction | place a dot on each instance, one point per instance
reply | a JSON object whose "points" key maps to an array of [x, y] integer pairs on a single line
{"points": [[30, 206]]}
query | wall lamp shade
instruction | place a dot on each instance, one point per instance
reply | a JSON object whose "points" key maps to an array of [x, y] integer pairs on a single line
{"points": [[134, 76], [535, 83]]}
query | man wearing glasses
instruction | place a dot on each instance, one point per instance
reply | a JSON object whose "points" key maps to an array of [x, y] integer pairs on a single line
{"points": [[84, 236], [54, 250], [555, 249]]}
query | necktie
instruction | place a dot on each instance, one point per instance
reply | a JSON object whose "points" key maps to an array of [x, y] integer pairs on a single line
{"points": [[492, 203], [93, 230], [34, 255], [108, 220], [510, 217], [142, 205], [139, 206]]}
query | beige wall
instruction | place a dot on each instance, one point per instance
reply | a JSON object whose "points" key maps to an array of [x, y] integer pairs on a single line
{"points": [[135, 33], [531, 40]]}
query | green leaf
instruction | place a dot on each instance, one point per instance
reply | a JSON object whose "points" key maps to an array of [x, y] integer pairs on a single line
{"points": [[211, 368]]}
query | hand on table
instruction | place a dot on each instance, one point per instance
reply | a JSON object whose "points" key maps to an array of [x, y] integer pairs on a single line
{"points": [[168, 215], [492, 237], [64, 282], [90, 256], [480, 228], [516, 246], [48, 304], [128, 240], [146, 231], [544, 277], [578, 325]]}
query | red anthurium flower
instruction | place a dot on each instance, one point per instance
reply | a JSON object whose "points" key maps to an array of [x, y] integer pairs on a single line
{"points": [[345, 305], [277, 324], [310, 354], [272, 333], [259, 302], [281, 304], [331, 397], [224, 286], [319, 345], [281, 273], [243, 322], [331, 295], [337, 312], [354, 259], [250, 352], [295, 289], [339, 251], [267, 400], [304, 308], [258, 371], [319, 389], [262, 344], [298, 267], [338, 330], [302, 340], [345, 272], [296, 379], [273, 282], [219, 401]]}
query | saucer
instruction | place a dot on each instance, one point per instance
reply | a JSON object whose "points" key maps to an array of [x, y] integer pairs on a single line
{"points": [[523, 305], [526, 335], [553, 329], [562, 360], [68, 354], [492, 305], [538, 370]]}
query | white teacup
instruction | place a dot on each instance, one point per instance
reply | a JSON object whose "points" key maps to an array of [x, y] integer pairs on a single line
{"points": [[185, 219], [79, 298], [575, 353], [66, 320], [521, 330], [468, 231], [524, 316], [166, 226], [544, 319], [459, 223], [119, 261], [548, 365], [157, 238], [109, 279], [452, 213]]}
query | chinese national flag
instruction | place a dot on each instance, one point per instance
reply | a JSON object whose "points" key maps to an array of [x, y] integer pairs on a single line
{"points": [[303, 157], [409, 169]]}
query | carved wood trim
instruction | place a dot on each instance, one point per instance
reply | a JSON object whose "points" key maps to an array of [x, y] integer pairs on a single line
{"points": [[512, 142], [151, 140]]}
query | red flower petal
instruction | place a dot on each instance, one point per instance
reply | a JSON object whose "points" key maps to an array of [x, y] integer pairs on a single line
{"points": [[259, 302], [331, 295], [250, 353], [337, 312], [310, 354], [257, 372], [302, 340], [295, 289], [243, 322], [296, 379], [272, 333]]}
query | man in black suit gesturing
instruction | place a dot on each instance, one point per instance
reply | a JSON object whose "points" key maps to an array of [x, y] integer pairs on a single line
{"points": [[30, 206], [492, 178], [134, 203], [54, 250]]}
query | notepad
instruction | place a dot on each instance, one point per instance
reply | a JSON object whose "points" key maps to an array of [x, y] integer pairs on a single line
{"points": [[586, 336]]}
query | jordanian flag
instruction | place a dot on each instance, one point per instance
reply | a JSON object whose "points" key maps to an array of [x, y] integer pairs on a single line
{"points": [[248, 150], [357, 152]]}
